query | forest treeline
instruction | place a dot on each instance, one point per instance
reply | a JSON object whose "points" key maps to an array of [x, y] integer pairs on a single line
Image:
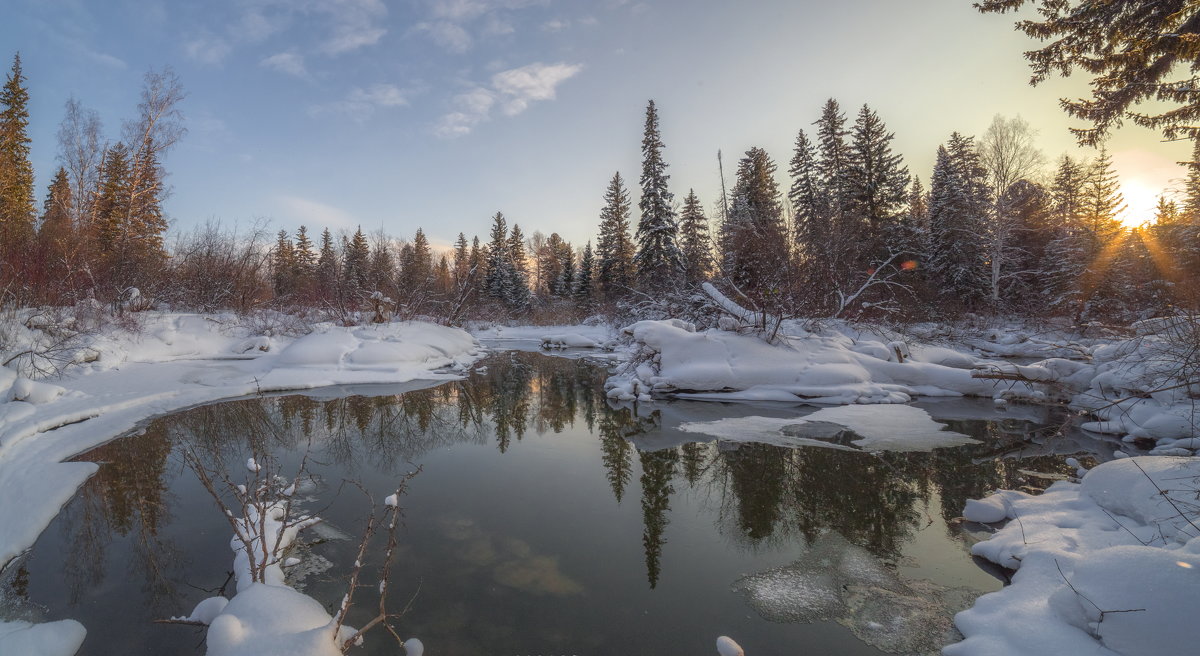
{"points": [[854, 235]]}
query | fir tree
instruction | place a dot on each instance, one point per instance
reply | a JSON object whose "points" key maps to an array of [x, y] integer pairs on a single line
{"points": [[658, 260], [462, 260], [694, 239], [614, 250], [518, 288], [383, 265], [17, 210]]}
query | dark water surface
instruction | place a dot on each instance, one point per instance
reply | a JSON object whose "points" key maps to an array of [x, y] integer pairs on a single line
{"points": [[544, 521]]}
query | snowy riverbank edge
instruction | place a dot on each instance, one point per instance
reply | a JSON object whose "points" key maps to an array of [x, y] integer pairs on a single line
{"points": [[1106, 566], [175, 361]]}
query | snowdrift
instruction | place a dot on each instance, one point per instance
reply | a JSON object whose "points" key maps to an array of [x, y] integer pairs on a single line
{"points": [[828, 368], [1107, 566]]}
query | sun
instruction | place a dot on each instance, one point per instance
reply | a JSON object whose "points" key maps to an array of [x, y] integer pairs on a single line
{"points": [[1140, 202]]}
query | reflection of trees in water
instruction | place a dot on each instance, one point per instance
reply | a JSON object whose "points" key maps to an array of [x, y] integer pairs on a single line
{"points": [[658, 468], [127, 497], [763, 494]]}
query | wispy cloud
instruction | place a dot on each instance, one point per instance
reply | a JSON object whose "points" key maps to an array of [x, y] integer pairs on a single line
{"points": [[290, 63], [453, 20], [512, 91], [304, 211], [361, 104], [207, 49], [355, 24], [555, 25], [449, 35]]}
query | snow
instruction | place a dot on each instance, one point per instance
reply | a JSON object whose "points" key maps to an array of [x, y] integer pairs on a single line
{"points": [[178, 361], [62, 638], [568, 340], [727, 647], [598, 334], [878, 428], [270, 619], [1110, 565], [826, 368]]}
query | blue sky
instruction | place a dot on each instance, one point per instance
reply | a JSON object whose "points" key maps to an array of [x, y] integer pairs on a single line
{"points": [[437, 113]]}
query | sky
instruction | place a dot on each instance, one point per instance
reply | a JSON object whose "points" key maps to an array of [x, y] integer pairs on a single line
{"points": [[398, 114]]}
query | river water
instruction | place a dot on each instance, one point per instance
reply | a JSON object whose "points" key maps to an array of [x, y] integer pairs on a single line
{"points": [[545, 521]]}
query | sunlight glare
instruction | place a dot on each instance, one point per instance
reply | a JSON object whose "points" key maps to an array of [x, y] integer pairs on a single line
{"points": [[1140, 201]]}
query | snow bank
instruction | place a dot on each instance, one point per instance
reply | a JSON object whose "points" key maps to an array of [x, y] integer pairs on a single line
{"points": [[876, 427], [1107, 566], [1139, 389], [178, 361], [826, 368], [598, 334], [62, 638]]}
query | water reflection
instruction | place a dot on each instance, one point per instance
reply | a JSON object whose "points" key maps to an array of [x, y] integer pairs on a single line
{"points": [[760, 499]]}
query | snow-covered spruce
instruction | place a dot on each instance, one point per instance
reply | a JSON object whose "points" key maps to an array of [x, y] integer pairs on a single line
{"points": [[1108, 566]]}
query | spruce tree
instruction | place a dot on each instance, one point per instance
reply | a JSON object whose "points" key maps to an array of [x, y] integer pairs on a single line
{"points": [[958, 203], [327, 267], [583, 285], [356, 265], [753, 238], [283, 264], [658, 260], [111, 201], [462, 260], [694, 240], [518, 289], [807, 196], [833, 159], [876, 186], [17, 209], [499, 275], [55, 233], [614, 249], [306, 259]]}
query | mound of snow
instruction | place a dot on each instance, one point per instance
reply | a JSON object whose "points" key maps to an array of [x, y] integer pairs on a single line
{"points": [[568, 340], [828, 368], [62, 638], [1124, 539]]}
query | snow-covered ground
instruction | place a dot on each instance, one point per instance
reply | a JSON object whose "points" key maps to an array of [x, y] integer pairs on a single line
{"points": [[175, 361], [1107, 566]]}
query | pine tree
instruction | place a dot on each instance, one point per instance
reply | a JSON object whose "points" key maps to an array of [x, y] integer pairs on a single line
{"points": [[17, 210], [694, 240], [614, 250], [658, 260]]}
